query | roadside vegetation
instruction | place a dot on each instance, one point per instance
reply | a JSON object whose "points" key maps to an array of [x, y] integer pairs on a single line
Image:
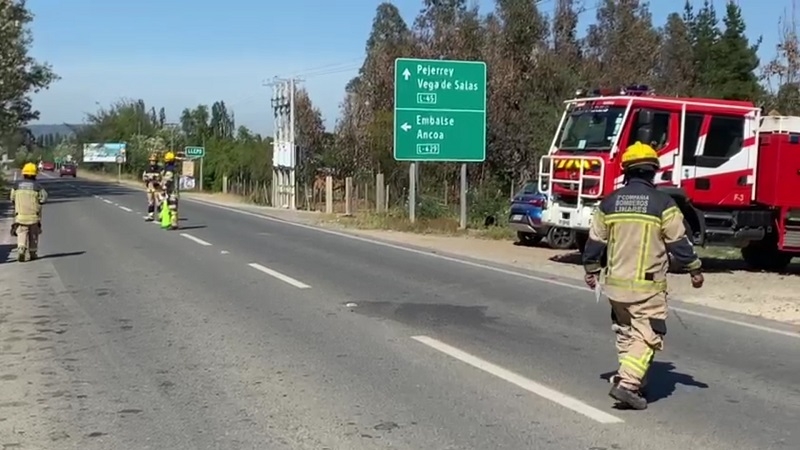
{"points": [[537, 57]]}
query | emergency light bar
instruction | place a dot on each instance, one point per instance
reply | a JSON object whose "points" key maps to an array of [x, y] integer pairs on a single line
{"points": [[636, 90]]}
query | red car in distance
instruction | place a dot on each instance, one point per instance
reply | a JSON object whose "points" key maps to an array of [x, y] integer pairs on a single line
{"points": [[48, 166], [68, 170]]}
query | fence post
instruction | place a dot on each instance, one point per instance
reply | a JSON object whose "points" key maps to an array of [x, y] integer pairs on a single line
{"points": [[328, 194], [348, 196], [380, 197]]}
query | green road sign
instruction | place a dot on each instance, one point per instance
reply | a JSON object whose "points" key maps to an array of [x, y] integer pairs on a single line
{"points": [[195, 152], [439, 110]]}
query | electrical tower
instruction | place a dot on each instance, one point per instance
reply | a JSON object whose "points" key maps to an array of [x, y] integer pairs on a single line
{"points": [[284, 148]]}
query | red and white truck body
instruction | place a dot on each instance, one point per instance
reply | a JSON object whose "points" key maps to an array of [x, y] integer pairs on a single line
{"points": [[734, 174]]}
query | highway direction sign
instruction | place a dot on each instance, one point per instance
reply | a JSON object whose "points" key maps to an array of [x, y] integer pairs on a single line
{"points": [[439, 110], [195, 152]]}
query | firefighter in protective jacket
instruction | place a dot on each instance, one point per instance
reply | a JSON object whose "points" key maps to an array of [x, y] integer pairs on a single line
{"points": [[169, 180], [152, 181], [27, 196], [633, 229]]}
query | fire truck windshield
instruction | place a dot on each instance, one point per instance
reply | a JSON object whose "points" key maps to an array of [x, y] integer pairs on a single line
{"points": [[591, 128]]}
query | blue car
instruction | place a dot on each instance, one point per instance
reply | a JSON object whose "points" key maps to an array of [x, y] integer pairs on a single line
{"points": [[525, 218]]}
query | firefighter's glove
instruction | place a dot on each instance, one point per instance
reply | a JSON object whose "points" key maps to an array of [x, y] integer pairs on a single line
{"points": [[697, 280], [591, 280]]}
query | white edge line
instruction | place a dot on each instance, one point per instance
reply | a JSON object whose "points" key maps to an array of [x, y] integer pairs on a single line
{"points": [[285, 278], [765, 329], [740, 323], [125, 208], [196, 239], [518, 380]]}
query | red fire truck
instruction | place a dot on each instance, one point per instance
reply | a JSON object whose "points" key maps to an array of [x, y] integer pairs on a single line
{"points": [[734, 174]]}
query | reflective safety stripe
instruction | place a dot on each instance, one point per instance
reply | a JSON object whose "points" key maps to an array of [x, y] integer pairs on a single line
{"points": [[644, 248], [669, 213], [638, 365], [632, 218], [636, 285]]}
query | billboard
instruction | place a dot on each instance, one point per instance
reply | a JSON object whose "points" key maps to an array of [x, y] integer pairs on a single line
{"points": [[104, 153]]}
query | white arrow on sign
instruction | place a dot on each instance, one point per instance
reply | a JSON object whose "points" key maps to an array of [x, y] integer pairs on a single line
{"points": [[405, 127], [406, 74]]}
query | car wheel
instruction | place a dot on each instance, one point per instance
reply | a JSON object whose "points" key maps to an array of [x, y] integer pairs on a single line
{"points": [[561, 238], [528, 238]]}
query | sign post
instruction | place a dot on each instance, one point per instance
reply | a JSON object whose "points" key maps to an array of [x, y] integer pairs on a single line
{"points": [[195, 152], [439, 116], [120, 159]]}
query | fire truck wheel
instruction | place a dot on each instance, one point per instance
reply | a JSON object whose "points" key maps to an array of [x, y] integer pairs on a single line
{"points": [[760, 255], [561, 238], [529, 238]]}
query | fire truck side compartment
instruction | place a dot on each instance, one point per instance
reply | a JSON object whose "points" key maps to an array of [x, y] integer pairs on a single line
{"points": [[778, 178]]}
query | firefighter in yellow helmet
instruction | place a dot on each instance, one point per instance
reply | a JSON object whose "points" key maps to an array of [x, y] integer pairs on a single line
{"points": [[169, 177], [27, 196], [632, 230], [152, 181]]}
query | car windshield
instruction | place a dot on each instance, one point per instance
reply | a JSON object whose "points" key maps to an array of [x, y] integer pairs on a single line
{"points": [[530, 188], [591, 128]]}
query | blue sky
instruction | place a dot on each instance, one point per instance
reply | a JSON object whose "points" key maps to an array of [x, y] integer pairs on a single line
{"points": [[178, 53]]}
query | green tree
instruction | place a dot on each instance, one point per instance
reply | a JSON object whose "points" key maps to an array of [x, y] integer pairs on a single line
{"points": [[735, 61], [20, 74]]}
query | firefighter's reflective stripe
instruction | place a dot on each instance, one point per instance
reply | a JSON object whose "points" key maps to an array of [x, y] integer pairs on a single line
{"points": [[642, 219], [639, 283], [669, 213], [576, 164], [638, 365]]}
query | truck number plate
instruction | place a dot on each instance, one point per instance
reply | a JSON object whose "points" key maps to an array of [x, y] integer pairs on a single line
{"points": [[516, 217], [563, 222]]}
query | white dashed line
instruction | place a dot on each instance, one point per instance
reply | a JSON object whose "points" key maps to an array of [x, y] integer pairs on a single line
{"points": [[487, 267], [285, 278], [108, 201], [125, 208], [224, 252], [518, 380], [196, 239]]}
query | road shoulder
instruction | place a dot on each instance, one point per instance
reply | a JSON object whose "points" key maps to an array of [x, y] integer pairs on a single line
{"points": [[729, 286]]}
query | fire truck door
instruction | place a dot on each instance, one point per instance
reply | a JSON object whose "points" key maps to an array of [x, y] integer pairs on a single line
{"points": [[691, 148]]}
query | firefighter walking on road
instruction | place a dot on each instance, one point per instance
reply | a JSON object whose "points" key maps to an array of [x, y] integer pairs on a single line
{"points": [[152, 181], [169, 180], [633, 230], [27, 196]]}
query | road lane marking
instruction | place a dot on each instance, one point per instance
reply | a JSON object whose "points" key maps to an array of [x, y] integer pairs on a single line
{"points": [[477, 265], [520, 381], [108, 201], [125, 208], [285, 278], [196, 239], [430, 254]]}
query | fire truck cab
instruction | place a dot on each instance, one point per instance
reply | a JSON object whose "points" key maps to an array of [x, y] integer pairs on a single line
{"points": [[709, 153]]}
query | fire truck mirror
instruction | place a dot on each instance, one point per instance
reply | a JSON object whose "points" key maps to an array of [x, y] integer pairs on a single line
{"points": [[646, 117], [644, 134]]}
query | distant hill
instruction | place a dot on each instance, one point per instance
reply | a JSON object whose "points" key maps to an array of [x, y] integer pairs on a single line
{"points": [[39, 130]]}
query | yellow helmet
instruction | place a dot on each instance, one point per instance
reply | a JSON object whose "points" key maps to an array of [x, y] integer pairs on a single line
{"points": [[640, 154], [29, 169], [169, 157]]}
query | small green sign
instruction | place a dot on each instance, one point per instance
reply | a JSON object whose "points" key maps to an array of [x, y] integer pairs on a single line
{"points": [[439, 110], [195, 152]]}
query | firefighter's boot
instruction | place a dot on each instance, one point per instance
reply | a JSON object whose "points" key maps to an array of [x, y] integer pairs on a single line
{"points": [[628, 397], [642, 389], [22, 254]]}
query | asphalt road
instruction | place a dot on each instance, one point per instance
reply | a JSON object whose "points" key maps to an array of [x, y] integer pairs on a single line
{"points": [[241, 331]]}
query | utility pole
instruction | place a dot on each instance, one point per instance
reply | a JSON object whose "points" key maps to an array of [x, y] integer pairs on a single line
{"points": [[284, 147]]}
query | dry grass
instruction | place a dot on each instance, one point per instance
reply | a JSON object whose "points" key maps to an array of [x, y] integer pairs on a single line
{"points": [[719, 252], [394, 221]]}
